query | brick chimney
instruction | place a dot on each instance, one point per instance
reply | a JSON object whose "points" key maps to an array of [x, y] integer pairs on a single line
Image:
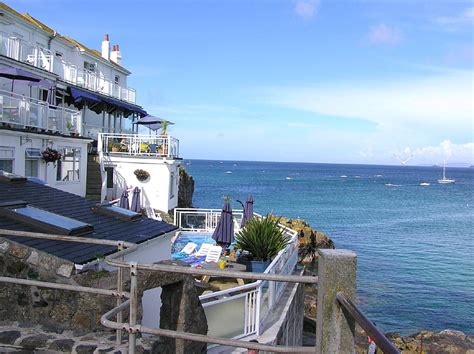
{"points": [[115, 55], [106, 48]]}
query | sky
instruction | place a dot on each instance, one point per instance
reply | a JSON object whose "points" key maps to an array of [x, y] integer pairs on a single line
{"points": [[374, 82]]}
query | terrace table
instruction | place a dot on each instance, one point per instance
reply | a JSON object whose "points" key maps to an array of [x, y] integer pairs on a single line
{"points": [[231, 266]]}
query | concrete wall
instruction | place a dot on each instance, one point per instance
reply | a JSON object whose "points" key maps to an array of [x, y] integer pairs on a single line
{"points": [[20, 141], [155, 191]]}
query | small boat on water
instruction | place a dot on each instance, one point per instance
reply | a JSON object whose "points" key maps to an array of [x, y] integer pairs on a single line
{"points": [[228, 172], [425, 184], [392, 185], [343, 176], [289, 178], [445, 180]]}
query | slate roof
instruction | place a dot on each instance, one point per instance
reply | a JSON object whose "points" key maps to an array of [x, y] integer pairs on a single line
{"points": [[75, 207]]}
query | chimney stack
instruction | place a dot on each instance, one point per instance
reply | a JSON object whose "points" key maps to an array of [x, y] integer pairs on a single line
{"points": [[106, 48], [116, 56]]}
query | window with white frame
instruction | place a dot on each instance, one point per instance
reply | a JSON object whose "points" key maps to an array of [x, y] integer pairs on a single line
{"points": [[32, 159], [69, 166], [7, 156]]}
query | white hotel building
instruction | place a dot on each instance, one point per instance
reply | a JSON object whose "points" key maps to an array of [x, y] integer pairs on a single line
{"points": [[76, 100]]}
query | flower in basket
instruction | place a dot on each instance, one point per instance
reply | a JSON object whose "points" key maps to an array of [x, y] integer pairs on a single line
{"points": [[142, 175], [51, 155]]}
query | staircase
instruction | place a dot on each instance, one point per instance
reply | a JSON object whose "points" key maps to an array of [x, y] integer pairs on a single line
{"points": [[94, 179]]}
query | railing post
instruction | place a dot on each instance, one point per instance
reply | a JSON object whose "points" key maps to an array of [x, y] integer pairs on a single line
{"points": [[119, 300], [336, 272], [133, 306]]}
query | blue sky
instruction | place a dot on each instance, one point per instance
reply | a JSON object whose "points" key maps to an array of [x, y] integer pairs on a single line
{"points": [[303, 80]]}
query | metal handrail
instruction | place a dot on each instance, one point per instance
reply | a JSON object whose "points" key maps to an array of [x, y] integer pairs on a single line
{"points": [[380, 339]]}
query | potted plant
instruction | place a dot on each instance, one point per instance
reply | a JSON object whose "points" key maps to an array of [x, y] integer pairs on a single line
{"points": [[51, 155], [262, 239], [163, 148], [141, 175]]}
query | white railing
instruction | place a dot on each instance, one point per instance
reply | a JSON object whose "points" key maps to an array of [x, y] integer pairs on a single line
{"points": [[43, 58], [22, 112], [249, 304], [203, 220], [138, 145]]}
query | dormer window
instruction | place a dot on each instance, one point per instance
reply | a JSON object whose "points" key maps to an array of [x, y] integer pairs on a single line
{"points": [[44, 220]]}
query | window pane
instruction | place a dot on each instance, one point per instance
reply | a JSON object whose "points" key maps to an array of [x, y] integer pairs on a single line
{"points": [[31, 168], [6, 165], [68, 168]]}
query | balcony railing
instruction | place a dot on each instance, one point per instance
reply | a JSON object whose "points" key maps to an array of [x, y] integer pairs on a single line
{"points": [[45, 59], [22, 112], [138, 145], [250, 304]]}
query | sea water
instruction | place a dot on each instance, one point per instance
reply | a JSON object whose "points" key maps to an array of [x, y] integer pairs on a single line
{"points": [[414, 244]]}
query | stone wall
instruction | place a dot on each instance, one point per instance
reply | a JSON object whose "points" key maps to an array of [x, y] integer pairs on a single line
{"points": [[55, 310], [61, 311]]}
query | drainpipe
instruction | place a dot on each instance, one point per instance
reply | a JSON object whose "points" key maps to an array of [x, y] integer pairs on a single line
{"points": [[55, 34]]}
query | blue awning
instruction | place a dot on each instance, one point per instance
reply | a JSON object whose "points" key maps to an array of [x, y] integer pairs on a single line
{"points": [[98, 103], [79, 96]]}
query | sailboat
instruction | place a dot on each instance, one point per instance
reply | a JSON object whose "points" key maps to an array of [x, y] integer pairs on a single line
{"points": [[445, 180]]}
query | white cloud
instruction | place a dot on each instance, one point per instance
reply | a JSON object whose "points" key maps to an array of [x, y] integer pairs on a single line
{"points": [[306, 9], [454, 22], [413, 112], [446, 150], [383, 34], [441, 103]]}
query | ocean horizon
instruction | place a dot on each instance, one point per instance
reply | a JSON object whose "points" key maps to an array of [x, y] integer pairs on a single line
{"points": [[413, 242]]}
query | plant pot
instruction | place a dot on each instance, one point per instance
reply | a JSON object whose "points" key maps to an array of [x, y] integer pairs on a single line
{"points": [[254, 266]]}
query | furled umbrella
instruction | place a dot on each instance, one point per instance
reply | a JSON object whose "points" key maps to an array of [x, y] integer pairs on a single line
{"points": [[123, 203], [224, 232], [136, 200], [248, 210]]}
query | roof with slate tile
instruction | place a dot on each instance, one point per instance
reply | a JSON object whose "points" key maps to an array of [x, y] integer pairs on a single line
{"points": [[78, 208]]}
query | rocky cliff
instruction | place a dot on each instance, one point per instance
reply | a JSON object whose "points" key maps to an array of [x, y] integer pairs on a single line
{"points": [[186, 189], [309, 240]]}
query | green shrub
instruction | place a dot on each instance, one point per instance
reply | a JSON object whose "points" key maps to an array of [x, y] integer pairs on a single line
{"points": [[262, 238]]}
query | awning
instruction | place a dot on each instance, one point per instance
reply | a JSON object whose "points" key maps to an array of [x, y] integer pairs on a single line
{"points": [[98, 103]]}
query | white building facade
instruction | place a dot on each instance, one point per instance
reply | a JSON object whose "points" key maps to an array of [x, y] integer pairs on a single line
{"points": [[70, 95]]}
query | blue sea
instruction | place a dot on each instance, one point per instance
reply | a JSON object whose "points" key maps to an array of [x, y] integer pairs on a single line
{"points": [[414, 243]]}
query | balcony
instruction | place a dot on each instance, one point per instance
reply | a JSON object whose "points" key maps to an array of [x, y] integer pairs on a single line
{"points": [[21, 112], [134, 145], [251, 305], [45, 59]]}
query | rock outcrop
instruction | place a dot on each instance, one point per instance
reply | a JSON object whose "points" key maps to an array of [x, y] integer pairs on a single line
{"points": [[186, 189], [309, 240]]}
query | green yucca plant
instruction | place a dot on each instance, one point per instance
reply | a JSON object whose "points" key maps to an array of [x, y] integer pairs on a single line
{"points": [[262, 238]]}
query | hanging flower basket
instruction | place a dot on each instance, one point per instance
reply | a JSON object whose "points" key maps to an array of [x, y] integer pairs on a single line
{"points": [[142, 175], [51, 155]]}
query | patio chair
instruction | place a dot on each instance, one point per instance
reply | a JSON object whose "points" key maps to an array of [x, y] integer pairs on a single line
{"points": [[205, 247], [152, 148], [214, 254]]}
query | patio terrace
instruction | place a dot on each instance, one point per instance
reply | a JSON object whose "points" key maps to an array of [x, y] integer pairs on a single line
{"points": [[134, 145], [249, 305]]}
